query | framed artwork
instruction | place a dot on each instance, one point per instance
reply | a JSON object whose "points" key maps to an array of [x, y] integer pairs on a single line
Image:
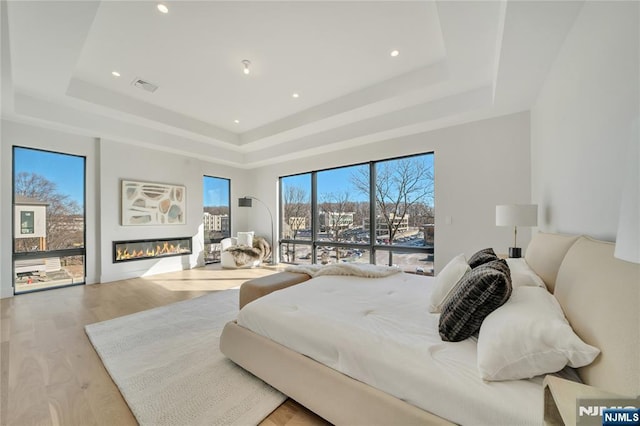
{"points": [[147, 203]]}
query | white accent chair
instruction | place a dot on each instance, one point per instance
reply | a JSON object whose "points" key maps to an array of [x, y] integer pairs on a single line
{"points": [[226, 258]]}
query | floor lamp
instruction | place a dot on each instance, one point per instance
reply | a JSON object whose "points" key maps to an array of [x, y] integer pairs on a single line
{"points": [[246, 201], [516, 215]]}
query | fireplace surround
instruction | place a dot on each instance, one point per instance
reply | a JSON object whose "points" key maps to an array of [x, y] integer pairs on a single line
{"points": [[126, 251]]}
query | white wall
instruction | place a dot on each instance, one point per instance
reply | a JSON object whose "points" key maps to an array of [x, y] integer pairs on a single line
{"points": [[582, 122], [108, 162], [123, 161], [477, 166], [36, 137]]}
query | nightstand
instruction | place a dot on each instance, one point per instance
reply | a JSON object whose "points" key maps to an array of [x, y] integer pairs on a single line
{"points": [[560, 398]]}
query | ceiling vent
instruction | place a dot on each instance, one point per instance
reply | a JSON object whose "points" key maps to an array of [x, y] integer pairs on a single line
{"points": [[144, 85]]}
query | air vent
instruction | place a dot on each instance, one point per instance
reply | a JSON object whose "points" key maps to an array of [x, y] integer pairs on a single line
{"points": [[144, 85]]}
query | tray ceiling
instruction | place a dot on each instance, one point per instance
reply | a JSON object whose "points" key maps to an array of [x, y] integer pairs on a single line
{"points": [[458, 61]]}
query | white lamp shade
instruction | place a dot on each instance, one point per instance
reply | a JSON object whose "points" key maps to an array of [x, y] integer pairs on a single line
{"points": [[628, 236], [517, 215]]}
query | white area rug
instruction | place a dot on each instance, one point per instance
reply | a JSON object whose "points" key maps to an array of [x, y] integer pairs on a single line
{"points": [[168, 366]]}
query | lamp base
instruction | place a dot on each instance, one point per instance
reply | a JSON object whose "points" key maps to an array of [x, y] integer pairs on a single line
{"points": [[515, 252]]}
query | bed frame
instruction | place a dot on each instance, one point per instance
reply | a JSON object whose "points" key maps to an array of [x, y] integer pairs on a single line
{"points": [[599, 294]]}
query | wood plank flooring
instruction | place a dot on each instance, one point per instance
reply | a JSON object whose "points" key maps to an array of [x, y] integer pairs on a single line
{"points": [[50, 373]]}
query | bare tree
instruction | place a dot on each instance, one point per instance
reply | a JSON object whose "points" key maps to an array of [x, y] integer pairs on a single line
{"points": [[338, 210], [420, 214], [63, 213], [400, 186], [217, 210], [296, 214], [361, 209]]}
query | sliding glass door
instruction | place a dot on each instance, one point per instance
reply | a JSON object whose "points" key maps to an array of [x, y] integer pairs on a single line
{"points": [[48, 219]]}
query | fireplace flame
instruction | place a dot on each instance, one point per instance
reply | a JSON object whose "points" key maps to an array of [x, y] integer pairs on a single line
{"points": [[137, 250]]}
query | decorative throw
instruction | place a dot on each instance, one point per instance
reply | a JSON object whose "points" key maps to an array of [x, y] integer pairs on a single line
{"points": [[263, 246], [364, 270], [243, 255], [481, 257], [478, 293]]}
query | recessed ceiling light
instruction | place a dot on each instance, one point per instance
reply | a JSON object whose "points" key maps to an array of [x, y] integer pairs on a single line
{"points": [[395, 53], [236, 121], [115, 73], [295, 95], [163, 8], [245, 64]]}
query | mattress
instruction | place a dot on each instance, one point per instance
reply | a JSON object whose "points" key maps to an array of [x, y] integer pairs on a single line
{"points": [[379, 331]]}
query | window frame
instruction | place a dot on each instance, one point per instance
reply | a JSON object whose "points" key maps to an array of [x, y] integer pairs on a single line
{"points": [[217, 240], [372, 246], [40, 254]]}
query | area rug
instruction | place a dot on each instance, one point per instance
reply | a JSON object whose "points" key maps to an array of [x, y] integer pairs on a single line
{"points": [[168, 366]]}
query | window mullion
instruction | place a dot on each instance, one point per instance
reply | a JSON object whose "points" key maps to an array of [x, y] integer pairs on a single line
{"points": [[372, 213], [314, 216]]}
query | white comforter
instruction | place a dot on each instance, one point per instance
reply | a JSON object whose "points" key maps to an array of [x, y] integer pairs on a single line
{"points": [[379, 331]]}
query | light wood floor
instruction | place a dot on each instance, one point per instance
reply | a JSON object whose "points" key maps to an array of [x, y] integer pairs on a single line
{"points": [[51, 374]]}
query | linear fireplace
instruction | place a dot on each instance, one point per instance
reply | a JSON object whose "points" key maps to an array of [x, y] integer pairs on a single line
{"points": [[125, 251]]}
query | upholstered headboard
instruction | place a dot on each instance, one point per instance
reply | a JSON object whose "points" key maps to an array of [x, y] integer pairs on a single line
{"points": [[600, 296], [545, 254]]}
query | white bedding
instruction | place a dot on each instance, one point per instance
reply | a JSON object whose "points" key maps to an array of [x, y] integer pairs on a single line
{"points": [[379, 331]]}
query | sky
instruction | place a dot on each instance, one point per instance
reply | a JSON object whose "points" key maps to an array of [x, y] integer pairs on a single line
{"points": [[66, 171], [336, 181], [215, 192]]}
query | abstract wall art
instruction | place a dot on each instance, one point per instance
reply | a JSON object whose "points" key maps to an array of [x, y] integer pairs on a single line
{"points": [[147, 203]]}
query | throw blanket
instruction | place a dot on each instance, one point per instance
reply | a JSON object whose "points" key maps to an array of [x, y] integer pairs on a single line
{"points": [[243, 255], [355, 269], [263, 246]]}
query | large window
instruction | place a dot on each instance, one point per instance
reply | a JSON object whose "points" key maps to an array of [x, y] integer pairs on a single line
{"points": [[380, 212], [295, 218], [49, 219], [216, 215]]}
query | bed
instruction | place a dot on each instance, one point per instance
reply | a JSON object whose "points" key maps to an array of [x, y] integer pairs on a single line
{"points": [[598, 294]]}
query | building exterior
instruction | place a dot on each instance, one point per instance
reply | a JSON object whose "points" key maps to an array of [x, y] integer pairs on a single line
{"points": [[297, 222], [215, 222], [294, 225], [31, 220], [383, 229], [335, 220], [71, 223]]}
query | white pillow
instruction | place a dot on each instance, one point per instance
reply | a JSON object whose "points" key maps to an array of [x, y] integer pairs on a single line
{"points": [[446, 281], [529, 336], [522, 275], [245, 239]]}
